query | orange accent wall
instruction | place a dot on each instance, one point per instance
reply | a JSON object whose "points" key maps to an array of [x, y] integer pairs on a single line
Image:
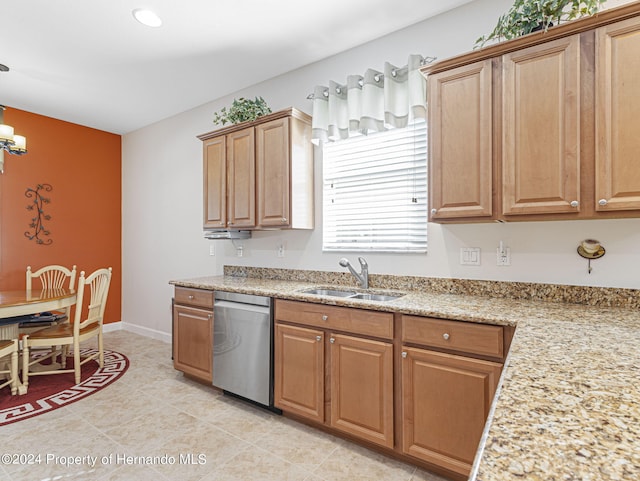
{"points": [[83, 166]]}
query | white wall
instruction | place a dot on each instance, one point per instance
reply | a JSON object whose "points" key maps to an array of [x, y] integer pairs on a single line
{"points": [[162, 198]]}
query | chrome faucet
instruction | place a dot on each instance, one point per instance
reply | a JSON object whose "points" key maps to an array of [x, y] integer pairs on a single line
{"points": [[363, 277]]}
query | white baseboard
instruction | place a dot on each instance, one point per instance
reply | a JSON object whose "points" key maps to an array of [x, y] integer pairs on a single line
{"points": [[112, 326], [147, 332]]}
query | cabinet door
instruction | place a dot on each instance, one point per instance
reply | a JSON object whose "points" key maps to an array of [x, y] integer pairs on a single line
{"points": [[618, 116], [362, 388], [273, 165], [460, 142], [541, 128], [299, 371], [193, 341], [241, 179], [446, 401], [215, 183]]}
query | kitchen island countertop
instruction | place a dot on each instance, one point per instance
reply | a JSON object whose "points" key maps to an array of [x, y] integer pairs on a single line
{"points": [[568, 403]]}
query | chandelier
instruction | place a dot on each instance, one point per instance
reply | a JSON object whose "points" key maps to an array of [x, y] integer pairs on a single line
{"points": [[9, 142]]}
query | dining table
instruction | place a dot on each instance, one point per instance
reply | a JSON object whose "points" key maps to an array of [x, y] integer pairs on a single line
{"points": [[16, 304]]}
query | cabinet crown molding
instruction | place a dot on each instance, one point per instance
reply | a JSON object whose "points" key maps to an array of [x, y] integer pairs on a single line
{"points": [[601, 18], [289, 112]]}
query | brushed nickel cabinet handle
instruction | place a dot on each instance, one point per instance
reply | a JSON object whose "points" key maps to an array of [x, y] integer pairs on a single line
{"points": [[404, 355], [325, 317], [574, 203], [318, 338], [602, 202], [445, 336]]}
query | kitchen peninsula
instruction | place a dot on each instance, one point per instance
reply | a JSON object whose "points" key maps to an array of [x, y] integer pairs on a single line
{"points": [[568, 402]]}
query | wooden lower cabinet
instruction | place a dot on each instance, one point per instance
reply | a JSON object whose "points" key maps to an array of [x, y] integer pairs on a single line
{"points": [[193, 341], [299, 371], [416, 388], [445, 403], [362, 388]]}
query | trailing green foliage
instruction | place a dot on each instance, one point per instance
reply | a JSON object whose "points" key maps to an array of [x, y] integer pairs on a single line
{"points": [[242, 110], [525, 16]]}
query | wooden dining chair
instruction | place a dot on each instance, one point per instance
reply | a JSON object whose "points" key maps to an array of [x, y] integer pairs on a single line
{"points": [[71, 334], [9, 349], [53, 277]]}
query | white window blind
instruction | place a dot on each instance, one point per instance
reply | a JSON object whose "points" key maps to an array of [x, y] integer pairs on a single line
{"points": [[375, 191]]}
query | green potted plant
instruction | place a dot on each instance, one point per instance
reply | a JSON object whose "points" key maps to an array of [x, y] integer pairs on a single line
{"points": [[242, 110], [526, 16]]}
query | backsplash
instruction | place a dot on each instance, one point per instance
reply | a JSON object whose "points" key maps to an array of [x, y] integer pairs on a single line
{"points": [[592, 296]]}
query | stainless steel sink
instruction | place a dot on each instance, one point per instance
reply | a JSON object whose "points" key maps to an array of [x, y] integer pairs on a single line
{"points": [[330, 292], [376, 297], [365, 296]]}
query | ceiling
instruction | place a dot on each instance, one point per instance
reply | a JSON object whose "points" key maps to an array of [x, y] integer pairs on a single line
{"points": [[92, 63]]}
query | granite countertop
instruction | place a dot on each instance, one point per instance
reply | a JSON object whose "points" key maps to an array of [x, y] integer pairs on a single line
{"points": [[568, 403]]}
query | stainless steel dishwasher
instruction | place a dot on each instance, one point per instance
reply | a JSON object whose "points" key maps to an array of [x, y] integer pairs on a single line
{"points": [[242, 340]]}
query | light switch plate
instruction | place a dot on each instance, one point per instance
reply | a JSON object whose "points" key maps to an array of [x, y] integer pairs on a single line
{"points": [[470, 256]]}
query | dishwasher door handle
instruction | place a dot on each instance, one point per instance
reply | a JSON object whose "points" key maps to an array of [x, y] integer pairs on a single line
{"points": [[236, 306]]}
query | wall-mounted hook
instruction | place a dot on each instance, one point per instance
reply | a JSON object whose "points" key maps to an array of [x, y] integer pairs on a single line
{"points": [[590, 249]]}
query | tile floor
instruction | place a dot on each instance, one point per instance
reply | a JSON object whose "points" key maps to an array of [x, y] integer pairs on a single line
{"points": [[153, 411]]}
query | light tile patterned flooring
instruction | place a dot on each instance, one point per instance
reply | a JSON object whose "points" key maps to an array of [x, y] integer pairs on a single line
{"points": [[153, 411]]}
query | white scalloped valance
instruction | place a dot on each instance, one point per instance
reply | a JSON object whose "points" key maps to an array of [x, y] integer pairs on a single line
{"points": [[371, 102]]}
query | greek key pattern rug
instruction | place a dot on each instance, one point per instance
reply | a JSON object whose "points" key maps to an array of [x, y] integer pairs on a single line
{"points": [[49, 392]]}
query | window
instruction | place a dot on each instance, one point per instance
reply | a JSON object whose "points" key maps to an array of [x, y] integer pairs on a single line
{"points": [[375, 191]]}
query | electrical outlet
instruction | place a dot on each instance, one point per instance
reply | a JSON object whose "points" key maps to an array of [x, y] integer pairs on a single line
{"points": [[470, 256], [239, 251], [503, 256], [212, 250], [281, 250]]}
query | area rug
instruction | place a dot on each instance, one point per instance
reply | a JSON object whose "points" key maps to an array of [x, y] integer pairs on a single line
{"points": [[46, 393]]}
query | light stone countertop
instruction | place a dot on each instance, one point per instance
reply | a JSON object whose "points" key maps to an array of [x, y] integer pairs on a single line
{"points": [[568, 403]]}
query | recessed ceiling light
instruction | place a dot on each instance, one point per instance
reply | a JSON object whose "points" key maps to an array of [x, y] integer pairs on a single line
{"points": [[147, 17]]}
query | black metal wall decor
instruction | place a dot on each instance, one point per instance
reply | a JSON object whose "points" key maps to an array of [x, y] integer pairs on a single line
{"points": [[37, 205]]}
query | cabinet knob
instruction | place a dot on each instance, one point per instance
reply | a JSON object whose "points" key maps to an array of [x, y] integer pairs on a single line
{"points": [[318, 338], [332, 340], [602, 202], [445, 336], [325, 317], [191, 296], [284, 219], [221, 223], [574, 203], [404, 355], [229, 223], [434, 211]]}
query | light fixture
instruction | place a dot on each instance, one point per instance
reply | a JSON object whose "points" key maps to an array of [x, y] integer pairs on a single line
{"points": [[147, 17], [14, 144]]}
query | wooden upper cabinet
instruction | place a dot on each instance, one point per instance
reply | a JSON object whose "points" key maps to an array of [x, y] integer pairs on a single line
{"points": [[541, 128], [559, 119], [241, 179], [618, 116], [215, 183], [460, 142], [259, 175], [274, 173]]}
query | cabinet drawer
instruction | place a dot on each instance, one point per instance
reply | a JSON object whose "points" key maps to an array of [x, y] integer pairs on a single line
{"points": [[194, 297], [357, 321], [461, 336]]}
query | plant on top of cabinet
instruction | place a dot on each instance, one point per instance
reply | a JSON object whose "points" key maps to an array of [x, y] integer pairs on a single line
{"points": [[526, 16], [242, 110]]}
